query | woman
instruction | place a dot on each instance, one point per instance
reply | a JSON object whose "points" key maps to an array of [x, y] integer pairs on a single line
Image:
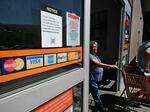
{"points": [[96, 74]]}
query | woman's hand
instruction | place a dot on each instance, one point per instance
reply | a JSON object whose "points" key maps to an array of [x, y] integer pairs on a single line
{"points": [[113, 66]]}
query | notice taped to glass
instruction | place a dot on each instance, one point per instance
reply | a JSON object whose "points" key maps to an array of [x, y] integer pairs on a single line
{"points": [[51, 27], [73, 29]]}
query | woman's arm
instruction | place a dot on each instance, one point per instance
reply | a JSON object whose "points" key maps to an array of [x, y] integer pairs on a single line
{"points": [[104, 65]]}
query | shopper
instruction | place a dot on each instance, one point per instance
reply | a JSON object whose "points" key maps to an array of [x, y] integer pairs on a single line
{"points": [[96, 74]]}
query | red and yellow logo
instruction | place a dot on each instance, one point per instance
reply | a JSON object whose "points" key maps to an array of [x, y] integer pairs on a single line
{"points": [[11, 65]]}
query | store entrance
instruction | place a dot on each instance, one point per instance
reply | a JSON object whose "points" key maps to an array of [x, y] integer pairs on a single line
{"points": [[105, 29]]}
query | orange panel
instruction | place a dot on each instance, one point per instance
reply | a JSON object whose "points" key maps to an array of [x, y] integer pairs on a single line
{"points": [[17, 75], [13, 53], [57, 104]]}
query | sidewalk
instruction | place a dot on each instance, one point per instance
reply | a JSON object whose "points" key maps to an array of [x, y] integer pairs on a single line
{"points": [[115, 103]]}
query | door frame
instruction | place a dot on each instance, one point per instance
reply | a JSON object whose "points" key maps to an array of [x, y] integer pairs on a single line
{"points": [[125, 10]]}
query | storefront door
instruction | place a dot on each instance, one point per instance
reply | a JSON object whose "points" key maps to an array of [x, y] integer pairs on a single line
{"points": [[124, 41]]}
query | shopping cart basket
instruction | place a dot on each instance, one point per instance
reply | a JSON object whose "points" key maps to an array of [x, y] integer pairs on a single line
{"points": [[137, 85]]}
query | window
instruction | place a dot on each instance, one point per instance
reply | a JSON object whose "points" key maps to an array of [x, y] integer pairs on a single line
{"points": [[39, 39]]}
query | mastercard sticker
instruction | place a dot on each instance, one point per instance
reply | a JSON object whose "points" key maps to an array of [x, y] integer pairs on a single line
{"points": [[10, 65]]}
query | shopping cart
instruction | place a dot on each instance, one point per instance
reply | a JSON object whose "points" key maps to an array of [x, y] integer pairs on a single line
{"points": [[137, 85]]}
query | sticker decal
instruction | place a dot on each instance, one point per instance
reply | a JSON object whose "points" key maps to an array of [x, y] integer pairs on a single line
{"points": [[73, 55], [49, 59], [61, 57], [10, 65], [34, 61]]}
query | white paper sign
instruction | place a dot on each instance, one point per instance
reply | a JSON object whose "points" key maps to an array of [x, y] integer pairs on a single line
{"points": [[73, 29], [51, 29]]}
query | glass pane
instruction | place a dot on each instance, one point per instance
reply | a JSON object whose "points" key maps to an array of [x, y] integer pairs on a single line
{"points": [[78, 99], [20, 21], [20, 29], [126, 33], [68, 101]]}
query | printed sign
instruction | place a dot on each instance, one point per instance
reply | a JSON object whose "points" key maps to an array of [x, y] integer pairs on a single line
{"points": [[10, 65], [73, 55], [51, 27], [61, 57], [49, 59], [73, 29], [34, 61]]}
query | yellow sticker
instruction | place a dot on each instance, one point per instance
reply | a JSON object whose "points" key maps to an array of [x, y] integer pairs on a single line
{"points": [[34, 61], [19, 63]]}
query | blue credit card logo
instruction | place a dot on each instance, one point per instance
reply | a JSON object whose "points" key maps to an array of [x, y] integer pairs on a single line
{"points": [[34, 61], [49, 59]]}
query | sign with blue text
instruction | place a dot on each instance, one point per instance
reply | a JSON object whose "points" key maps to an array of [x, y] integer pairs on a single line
{"points": [[34, 61]]}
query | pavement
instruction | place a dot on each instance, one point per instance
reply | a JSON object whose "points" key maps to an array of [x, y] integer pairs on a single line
{"points": [[115, 103]]}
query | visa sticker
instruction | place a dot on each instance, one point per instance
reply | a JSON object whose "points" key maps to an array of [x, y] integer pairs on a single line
{"points": [[34, 61]]}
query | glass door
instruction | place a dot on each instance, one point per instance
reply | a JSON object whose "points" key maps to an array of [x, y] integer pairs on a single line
{"points": [[124, 41]]}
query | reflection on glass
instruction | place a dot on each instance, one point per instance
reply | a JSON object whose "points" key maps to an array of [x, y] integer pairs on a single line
{"points": [[77, 100], [20, 28], [20, 21], [126, 33]]}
